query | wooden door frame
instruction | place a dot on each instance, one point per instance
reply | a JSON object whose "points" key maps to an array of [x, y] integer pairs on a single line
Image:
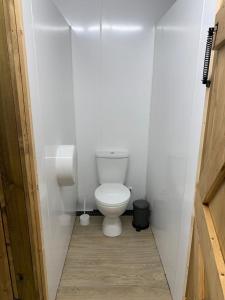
{"points": [[15, 79]]}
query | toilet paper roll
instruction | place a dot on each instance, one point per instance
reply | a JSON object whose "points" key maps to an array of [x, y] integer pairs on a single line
{"points": [[66, 165]]}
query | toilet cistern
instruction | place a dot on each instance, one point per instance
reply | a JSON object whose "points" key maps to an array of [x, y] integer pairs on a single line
{"points": [[112, 196]]}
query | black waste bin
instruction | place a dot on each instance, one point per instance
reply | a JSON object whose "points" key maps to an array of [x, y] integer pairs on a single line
{"points": [[141, 214]]}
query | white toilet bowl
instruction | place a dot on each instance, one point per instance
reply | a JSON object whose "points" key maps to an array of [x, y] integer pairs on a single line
{"points": [[112, 200]]}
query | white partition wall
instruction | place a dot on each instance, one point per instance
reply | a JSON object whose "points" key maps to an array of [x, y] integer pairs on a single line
{"points": [[48, 46], [175, 126]]}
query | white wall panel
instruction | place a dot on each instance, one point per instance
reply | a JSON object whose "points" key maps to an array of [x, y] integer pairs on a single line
{"points": [[175, 126], [49, 56]]}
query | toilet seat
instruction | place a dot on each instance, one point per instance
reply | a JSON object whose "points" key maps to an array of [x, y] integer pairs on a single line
{"points": [[112, 194]]}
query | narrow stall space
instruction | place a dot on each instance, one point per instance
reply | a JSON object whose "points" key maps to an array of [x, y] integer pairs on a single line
{"points": [[108, 123], [127, 267]]}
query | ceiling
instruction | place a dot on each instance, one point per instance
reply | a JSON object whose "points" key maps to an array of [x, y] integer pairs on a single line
{"points": [[126, 12]]}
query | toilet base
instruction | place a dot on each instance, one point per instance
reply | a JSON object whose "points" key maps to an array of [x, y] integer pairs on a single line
{"points": [[112, 226]]}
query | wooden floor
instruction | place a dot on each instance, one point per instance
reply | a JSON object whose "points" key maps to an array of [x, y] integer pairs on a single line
{"points": [[127, 267]]}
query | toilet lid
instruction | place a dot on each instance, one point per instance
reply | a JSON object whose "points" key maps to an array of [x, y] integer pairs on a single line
{"points": [[110, 194]]}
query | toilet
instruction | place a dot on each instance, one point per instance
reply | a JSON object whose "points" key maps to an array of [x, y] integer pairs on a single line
{"points": [[112, 196]]}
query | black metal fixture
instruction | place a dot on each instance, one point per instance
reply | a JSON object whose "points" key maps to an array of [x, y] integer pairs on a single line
{"points": [[208, 52]]}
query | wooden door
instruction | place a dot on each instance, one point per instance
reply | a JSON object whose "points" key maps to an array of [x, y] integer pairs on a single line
{"points": [[22, 273], [206, 278]]}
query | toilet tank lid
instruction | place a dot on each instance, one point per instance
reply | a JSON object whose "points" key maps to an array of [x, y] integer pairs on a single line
{"points": [[112, 153]]}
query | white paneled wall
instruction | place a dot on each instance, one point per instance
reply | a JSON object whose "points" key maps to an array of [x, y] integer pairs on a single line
{"points": [[49, 56], [112, 97], [175, 126], [112, 59]]}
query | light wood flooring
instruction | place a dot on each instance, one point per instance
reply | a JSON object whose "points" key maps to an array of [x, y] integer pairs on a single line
{"points": [[127, 267]]}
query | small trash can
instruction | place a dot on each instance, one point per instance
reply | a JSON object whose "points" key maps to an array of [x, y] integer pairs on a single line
{"points": [[141, 214]]}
